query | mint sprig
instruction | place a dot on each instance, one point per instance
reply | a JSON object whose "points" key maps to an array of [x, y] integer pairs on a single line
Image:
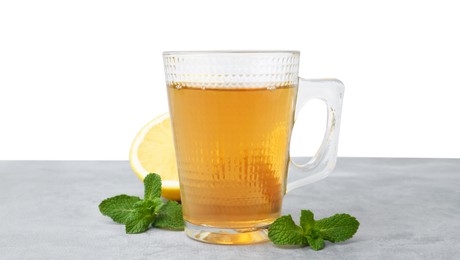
{"points": [[139, 214], [337, 228]]}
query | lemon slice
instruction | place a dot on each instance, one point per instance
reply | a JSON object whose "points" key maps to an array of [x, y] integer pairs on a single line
{"points": [[152, 151]]}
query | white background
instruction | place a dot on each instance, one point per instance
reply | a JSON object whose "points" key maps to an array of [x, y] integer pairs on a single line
{"points": [[78, 79]]}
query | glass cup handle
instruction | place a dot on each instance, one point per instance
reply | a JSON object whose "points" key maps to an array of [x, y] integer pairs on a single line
{"points": [[323, 162]]}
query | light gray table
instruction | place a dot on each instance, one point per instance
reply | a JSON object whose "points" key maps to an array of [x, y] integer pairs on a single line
{"points": [[408, 209]]}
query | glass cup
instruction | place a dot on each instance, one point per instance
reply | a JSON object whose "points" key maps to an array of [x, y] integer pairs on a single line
{"points": [[232, 115]]}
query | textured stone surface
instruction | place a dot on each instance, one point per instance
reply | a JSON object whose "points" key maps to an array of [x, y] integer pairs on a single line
{"points": [[408, 209]]}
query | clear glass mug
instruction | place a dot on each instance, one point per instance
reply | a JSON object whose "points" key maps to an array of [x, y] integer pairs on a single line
{"points": [[232, 114]]}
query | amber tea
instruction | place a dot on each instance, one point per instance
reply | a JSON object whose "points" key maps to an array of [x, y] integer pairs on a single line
{"points": [[232, 153]]}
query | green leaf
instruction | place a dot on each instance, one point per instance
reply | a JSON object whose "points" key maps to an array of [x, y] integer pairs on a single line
{"points": [[152, 186], [315, 243], [138, 222], [285, 232], [143, 215], [337, 228], [170, 217], [119, 207], [306, 221], [153, 205]]}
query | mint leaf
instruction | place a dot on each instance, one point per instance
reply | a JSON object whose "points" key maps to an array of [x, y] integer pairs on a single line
{"points": [[138, 215], [306, 221], [170, 217], [152, 186], [143, 214], [119, 207], [315, 243], [153, 205], [337, 228], [285, 232], [138, 222]]}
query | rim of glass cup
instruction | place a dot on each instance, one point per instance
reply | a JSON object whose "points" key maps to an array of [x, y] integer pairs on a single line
{"points": [[226, 52]]}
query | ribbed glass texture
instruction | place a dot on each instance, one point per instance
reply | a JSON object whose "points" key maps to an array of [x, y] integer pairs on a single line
{"points": [[232, 69]]}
